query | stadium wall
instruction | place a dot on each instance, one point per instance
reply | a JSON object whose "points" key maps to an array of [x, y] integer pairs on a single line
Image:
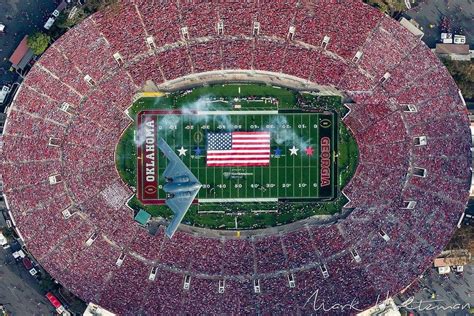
{"points": [[245, 76], [320, 220]]}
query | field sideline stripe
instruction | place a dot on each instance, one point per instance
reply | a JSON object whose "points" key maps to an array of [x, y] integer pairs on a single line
{"points": [[238, 200], [235, 112]]}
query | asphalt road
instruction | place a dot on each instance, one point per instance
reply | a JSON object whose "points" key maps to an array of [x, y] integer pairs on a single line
{"points": [[21, 17], [429, 12], [454, 294], [19, 290]]}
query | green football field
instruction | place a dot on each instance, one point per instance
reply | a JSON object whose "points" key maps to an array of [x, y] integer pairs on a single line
{"points": [[295, 146], [289, 178]]}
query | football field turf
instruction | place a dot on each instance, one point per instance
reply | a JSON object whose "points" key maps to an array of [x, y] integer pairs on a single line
{"points": [[243, 197], [304, 173]]}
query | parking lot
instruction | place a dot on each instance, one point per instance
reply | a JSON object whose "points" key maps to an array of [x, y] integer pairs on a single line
{"points": [[454, 294], [19, 291], [428, 14]]}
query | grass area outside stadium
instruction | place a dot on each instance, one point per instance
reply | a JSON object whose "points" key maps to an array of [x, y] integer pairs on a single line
{"points": [[242, 97]]}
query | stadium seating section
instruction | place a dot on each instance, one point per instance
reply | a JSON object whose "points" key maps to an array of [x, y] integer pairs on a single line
{"points": [[42, 140]]}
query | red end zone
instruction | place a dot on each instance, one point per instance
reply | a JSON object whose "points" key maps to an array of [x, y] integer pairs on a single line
{"points": [[147, 156], [147, 160]]}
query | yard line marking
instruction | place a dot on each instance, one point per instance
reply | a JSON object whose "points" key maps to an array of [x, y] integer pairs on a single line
{"points": [[310, 165], [238, 200], [245, 113], [301, 170], [293, 159], [261, 172], [278, 176], [214, 171]]}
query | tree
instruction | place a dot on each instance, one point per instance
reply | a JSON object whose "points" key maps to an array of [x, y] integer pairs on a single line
{"points": [[64, 22], [463, 74], [390, 7], [96, 5], [38, 42]]}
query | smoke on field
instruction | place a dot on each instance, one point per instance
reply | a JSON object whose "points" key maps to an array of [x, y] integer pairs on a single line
{"points": [[140, 135], [284, 134], [204, 103]]}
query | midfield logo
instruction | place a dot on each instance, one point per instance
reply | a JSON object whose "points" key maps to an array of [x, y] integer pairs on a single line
{"points": [[325, 123]]}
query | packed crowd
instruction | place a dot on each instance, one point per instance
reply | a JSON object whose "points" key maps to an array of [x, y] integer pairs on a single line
{"points": [[341, 261]]}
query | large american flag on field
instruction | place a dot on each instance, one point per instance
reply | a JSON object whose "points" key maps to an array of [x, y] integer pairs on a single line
{"points": [[238, 149]]}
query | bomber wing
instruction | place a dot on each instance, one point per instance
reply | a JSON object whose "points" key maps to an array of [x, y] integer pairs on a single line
{"points": [[179, 205], [180, 202], [176, 167]]}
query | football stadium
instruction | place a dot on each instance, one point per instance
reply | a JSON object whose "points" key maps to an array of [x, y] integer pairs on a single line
{"points": [[194, 157]]}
